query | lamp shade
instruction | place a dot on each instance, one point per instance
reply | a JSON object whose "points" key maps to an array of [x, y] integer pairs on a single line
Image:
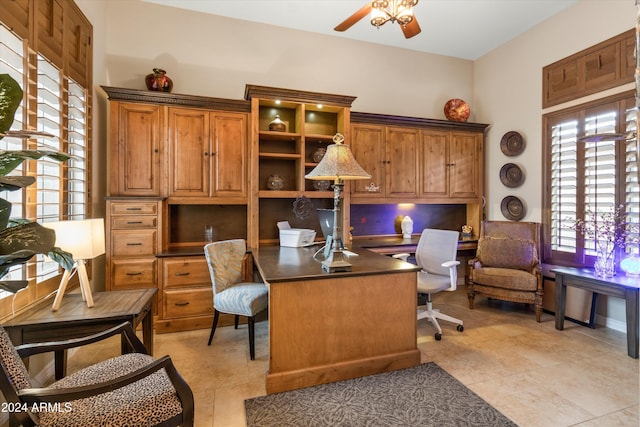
{"points": [[338, 163], [84, 239]]}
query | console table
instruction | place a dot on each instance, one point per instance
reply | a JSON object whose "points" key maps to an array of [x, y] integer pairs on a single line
{"points": [[620, 286], [74, 320]]}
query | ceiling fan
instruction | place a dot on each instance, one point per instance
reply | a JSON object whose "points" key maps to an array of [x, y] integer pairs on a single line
{"points": [[400, 11]]}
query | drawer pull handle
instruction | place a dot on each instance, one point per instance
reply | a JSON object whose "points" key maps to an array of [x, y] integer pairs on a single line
{"points": [[182, 304], [134, 222], [134, 244], [182, 274], [134, 209], [134, 274]]}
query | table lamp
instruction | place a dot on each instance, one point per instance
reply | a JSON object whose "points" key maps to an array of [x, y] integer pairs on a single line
{"points": [[84, 239], [338, 164]]}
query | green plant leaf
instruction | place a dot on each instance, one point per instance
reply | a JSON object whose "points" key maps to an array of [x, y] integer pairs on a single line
{"points": [[13, 286], [65, 259], [17, 182], [9, 160], [5, 212], [10, 98], [18, 244]]}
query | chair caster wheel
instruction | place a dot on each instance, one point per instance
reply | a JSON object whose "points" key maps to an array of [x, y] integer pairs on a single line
{"points": [[438, 337], [460, 328]]}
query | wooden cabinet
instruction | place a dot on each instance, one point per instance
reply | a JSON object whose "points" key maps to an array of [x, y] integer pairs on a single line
{"points": [[208, 153], [186, 294], [603, 66], [283, 158], [135, 151], [134, 238], [452, 165], [390, 156]]}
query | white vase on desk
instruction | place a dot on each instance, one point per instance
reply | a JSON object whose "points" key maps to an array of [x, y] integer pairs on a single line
{"points": [[407, 227]]}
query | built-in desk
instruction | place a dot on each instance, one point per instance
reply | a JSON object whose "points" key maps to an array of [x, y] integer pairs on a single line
{"points": [[326, 327]]}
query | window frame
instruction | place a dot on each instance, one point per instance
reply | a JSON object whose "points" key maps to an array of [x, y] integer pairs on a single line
{"points": [[621, 103]]}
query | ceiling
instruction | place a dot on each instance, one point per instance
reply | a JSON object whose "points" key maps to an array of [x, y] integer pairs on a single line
{"points": [[464, 29]]}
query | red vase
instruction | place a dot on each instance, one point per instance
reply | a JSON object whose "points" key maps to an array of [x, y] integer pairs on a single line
{"points": [[158, 81]]}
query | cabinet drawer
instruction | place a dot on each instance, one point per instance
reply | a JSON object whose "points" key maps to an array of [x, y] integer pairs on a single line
{"points": [[134, 222], [133, 273], [142, 208], [187, 303], [133, 243], [187, 271]]}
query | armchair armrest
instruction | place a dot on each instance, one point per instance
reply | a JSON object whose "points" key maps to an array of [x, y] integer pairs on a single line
{"points": [[36, 395], [125, 329]]}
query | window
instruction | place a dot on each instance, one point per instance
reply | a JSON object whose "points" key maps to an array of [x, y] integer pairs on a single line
{"points": [[60, 109], [584, 177]]}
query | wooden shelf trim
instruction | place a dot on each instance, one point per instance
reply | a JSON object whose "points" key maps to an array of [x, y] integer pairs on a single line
{"points": [[416, 122], [135, 95], [265, 92]]}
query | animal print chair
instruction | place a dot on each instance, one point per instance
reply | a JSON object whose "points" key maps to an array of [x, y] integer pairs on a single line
{"points": [[129, 390]]}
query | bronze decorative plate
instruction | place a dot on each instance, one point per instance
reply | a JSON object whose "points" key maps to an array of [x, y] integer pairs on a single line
{"points": [[512, 208], [512, 143], [511, 175]]}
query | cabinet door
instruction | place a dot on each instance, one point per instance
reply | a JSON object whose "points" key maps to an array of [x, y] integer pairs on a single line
{"points": [[367, 146], [136, 151], [466, 160], [435, 164], [401, 165], [229, 154], [189, 166]]}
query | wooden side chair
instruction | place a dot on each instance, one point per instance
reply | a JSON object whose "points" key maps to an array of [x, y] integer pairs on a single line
{"points": [[234, 292], [133, 389]]}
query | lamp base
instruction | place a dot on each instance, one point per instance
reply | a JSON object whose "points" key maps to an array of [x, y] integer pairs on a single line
{"points": [[335, 262], [85, 286]]}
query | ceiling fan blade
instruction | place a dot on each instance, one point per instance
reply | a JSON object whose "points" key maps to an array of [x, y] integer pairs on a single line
{"points": [[347, 23], [411, 29]]}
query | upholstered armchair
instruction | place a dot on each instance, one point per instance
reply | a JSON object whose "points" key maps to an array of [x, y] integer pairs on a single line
{"points": [[133, 389], [507, 264]]}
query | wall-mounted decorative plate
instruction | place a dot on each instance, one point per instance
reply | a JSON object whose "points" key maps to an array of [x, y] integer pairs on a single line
{"points": [[511, 175], [512, 208], [512, 143]]}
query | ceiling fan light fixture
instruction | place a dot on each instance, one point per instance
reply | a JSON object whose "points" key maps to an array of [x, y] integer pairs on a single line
{"points": [[393, 10]]}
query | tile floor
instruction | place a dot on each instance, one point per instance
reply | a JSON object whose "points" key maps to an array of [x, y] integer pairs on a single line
{"points": [[532, 373]]}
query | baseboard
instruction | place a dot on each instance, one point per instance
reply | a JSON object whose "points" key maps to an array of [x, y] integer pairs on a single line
{"points": [[610, 323]]}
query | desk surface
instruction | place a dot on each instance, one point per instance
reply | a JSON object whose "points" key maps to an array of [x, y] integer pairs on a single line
{"points": [[282, 264], [108, 305]]}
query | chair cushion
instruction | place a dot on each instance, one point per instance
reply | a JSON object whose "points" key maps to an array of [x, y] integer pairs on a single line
{"points": [[431, 283], [244, 299], [520, 254], [146, 402], [505, 278], [13, 363]]}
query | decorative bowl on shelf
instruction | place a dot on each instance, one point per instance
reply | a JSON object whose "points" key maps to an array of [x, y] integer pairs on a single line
{"points": [[275, 182], [456, 110]]}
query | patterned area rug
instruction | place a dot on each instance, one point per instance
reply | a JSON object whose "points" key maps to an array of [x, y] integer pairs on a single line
{"points": [[425, 395]]}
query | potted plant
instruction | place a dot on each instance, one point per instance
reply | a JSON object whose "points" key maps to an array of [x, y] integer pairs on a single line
{"points": [[21, 239]]}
